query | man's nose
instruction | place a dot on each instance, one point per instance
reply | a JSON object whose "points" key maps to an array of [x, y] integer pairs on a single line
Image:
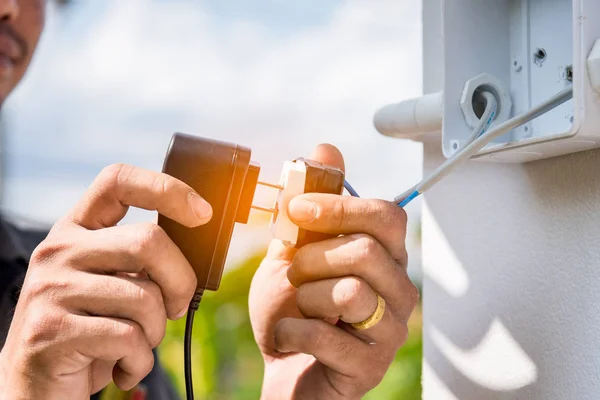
{"points": [[9, 10]]}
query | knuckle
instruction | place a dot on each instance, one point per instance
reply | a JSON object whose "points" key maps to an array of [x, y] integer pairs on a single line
{"points": [[191, 285], [112, 179], [152, 309], [129, 333], [412, 297], [149, 238], [338, 213], [38, 285], [162, 184], [110, 175], [351, 293], [159, 334], [407, 299], [368, 248], [147, 365], [393, 224], [138, 295], [396, 214], [395, 217], [322, 335], [185, 291], [402, 258], [165, 184], [47, 251], [45, 325], [143, 296]]}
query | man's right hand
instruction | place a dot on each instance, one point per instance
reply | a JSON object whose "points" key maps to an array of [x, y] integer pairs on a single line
{"points": [[97, 296]]}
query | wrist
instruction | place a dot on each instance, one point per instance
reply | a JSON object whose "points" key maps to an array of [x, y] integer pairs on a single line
{"points": [[14, 386], [275, 385], [283, 382], [7, 383]]}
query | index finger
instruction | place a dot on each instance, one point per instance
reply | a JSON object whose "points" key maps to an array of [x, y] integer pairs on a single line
{"points": [[120, 186], [334, 214]]}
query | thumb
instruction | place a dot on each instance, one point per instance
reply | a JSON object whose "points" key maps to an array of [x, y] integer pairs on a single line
{"points": [[329, 155], [326, 154]]}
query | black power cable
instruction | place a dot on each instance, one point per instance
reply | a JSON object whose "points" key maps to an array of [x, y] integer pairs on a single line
{"points": [[187, 344]]}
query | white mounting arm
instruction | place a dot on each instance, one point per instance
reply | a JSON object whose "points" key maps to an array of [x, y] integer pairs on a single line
{"points": [[411, 118]]}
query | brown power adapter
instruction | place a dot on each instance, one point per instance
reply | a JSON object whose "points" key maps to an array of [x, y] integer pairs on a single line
{"points": [[225, 176], [319, 179]]}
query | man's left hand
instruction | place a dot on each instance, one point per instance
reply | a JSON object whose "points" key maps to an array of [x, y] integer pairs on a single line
{"points": [[303, 302]]}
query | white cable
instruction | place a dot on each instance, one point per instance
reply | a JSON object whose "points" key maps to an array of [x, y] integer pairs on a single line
{"points": [[485, 121], [491, 107], [472, 148]]}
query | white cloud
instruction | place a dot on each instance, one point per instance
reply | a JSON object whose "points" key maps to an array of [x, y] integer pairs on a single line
{"points": [[114, 88]]}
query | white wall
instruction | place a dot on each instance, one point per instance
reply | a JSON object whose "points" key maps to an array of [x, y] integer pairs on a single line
{"points": [[512, 272]]}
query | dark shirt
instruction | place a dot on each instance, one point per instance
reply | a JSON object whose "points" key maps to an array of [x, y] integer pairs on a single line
{"points": [[16, 246]]}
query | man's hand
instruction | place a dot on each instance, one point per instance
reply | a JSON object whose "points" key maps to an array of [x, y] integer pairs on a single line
{"points": [[97, 296], [303, 302]]}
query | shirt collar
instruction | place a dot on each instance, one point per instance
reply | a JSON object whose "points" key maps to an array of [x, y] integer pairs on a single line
{"points": [[12, 247]]}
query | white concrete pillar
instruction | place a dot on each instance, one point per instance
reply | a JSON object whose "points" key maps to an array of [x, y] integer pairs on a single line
{"points": [[511, 259]]}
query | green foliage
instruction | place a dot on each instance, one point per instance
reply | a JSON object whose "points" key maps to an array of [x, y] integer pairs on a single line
{"points": [[227, 363]]}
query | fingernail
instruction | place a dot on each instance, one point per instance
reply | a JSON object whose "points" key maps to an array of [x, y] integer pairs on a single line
{"points": [[283, 351], [181, 314], [202, 210], [302, 210], [280, 348]]}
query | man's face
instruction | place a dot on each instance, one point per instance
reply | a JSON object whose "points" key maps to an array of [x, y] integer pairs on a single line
{"points": [[21, 23]]}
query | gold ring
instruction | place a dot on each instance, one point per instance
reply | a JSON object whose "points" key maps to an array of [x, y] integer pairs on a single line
{"points": [[374, 318]]}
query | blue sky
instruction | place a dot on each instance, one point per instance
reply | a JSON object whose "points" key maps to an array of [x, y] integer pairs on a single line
{"points": [[113, 80]]}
